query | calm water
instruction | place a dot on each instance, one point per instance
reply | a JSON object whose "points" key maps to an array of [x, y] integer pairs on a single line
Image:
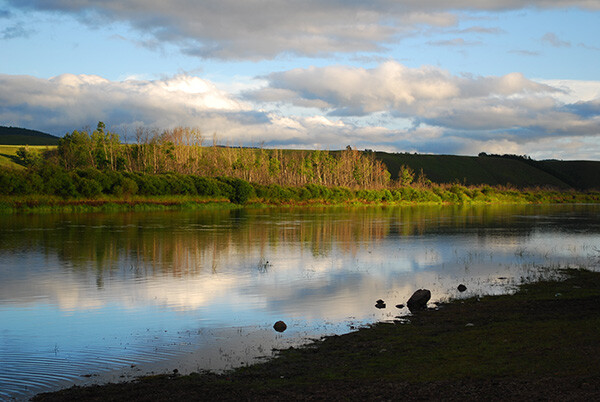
{"points": [[94, 297]]}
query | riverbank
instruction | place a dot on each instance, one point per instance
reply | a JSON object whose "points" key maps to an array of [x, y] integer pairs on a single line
{"points": [[50, 204], [541, 343]]}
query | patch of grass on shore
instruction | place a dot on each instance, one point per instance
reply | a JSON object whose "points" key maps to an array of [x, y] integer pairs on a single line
{"points": [[541, 343], [51, 204]]}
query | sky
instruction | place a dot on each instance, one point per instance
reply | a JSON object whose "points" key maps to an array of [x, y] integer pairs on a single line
{"points": [[428, 76]]}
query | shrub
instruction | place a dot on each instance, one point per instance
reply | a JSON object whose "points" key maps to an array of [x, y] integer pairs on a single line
{"points": [[210, 187], [241, 189], [87, 187]]}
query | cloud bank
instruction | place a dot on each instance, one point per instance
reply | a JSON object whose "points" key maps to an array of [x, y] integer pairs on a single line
{"points": [[255, 29], [390, 107]]}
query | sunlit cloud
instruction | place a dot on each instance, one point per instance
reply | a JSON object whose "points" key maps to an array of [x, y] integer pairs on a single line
{"points": [[389, 107]]}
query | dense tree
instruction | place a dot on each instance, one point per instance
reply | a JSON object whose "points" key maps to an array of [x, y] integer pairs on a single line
{"points": [[180, 150]]}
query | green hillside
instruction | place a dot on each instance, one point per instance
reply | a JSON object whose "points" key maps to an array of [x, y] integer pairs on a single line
{"points": [[578, 174], [497, 170], [23, 136]]}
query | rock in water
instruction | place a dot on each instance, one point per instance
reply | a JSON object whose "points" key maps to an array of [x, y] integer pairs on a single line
{"points": [[280, 326], [461, 288], [419, 299]]}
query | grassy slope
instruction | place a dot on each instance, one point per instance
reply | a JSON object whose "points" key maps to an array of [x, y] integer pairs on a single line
{"points": [[472, 170], [579, 174], [539, 344], [23, 136], [8, 154]]}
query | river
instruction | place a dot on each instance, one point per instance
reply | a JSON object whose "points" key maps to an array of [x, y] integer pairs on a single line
{"points": [[89, 298]]}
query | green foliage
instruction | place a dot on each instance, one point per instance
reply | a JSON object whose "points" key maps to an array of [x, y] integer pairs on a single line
{"points": [[87, 188], [174, 163], [406, 175], [211, 187], [241, 190], [28, 157]]}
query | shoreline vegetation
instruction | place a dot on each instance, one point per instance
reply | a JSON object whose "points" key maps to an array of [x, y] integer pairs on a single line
{"points": [[174, 170], [39, 203], [537, 344]]}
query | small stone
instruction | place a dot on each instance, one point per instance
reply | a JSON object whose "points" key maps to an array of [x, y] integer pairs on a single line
{"points": [[280, 326], [399, 305], [461, 288], [470, 324], [380, 304]]}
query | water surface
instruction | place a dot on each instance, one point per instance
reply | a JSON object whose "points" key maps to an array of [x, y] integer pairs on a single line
{"points": [[96, 297]]}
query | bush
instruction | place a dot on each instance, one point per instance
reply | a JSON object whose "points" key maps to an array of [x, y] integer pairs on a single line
{"points": [[88, 188], [8, 181], [61, 184], [210, 187], [241, 189]]}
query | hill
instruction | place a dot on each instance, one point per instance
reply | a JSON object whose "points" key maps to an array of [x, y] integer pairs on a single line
{"points": [[498, 170], [23, 136]]}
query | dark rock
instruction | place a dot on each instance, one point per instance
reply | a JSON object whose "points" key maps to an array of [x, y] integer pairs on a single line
{"points": [[419, 299], [280, 326], [461, 288], [380, 304], [399, 305]]}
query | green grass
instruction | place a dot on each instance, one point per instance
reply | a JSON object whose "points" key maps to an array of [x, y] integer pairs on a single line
{"points": [[493, 171], [53, 204], [543, 343], [8, 154], [578, 174]]}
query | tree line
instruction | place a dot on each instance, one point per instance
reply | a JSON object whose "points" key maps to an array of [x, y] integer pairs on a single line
{"points": [[177, 163], [183, 150]]}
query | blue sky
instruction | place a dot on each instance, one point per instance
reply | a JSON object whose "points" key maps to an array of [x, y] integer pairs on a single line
{"points": [[430, 76]]}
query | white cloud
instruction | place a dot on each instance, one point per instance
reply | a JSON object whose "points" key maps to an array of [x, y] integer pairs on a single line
{"points": [[68, 101], [255, 29], [508, 111], [574, 90], [389, 87], [389, 107]]}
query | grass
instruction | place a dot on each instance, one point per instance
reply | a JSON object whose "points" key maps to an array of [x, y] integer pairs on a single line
{"points": [[541, 343], [8, 154], [50, 204], [472, 170], [36, 203]]}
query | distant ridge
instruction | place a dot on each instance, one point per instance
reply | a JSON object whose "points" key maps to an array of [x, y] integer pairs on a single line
{"points": [[504, 170], [24, 136]]}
